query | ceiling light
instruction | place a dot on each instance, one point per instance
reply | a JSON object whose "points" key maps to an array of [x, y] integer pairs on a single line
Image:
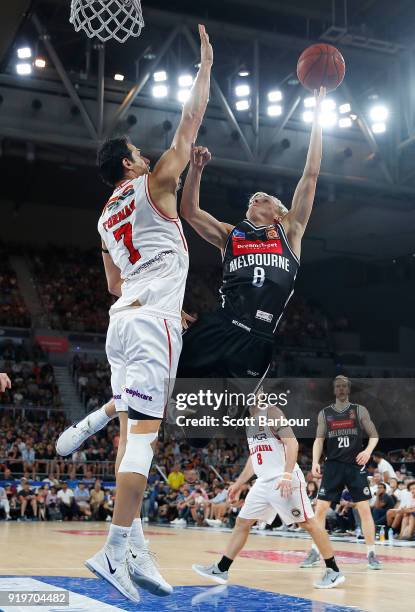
{"points": [[275, 96], [24, 52], [378, 113], [274, 110], [160, 91], [345, 108], [185, 80], [242, 90], [242, 105], [378, 128], [183, 95], [23, 69], [118, 77], [160, 76]]}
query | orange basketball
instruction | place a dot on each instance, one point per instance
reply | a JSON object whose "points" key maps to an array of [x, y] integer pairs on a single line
{"points": [[321, 65]]}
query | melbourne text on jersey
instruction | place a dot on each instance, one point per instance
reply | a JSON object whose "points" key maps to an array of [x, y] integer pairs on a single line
{"points": [[260, 259]]}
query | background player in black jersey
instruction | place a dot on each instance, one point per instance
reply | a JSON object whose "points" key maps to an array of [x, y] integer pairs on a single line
{"points": [[261, 257], [344, 426]]}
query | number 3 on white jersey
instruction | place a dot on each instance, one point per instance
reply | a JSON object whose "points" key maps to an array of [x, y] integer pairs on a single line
{"points": [[259, 276]]}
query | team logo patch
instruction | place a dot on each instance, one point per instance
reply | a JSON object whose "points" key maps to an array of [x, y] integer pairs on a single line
{"points": [[296, 512], [272, 233], [352, 414], [366, 491], [238, 234]]}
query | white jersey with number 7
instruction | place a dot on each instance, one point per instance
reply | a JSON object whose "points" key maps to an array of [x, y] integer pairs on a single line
{"points": [[148, 247]]}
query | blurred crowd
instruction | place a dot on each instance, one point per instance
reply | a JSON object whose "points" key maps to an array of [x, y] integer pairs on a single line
{"points": [[13, 311], [34, 382], [72, 287]]}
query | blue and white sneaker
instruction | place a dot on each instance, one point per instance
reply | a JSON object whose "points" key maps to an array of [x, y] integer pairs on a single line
{"points": [[115, 573], [144, 573], [330, 579]]}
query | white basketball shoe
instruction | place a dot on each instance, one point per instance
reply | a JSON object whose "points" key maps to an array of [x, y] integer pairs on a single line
{"points": [[74, 436], [144, 572], [115, 573]]}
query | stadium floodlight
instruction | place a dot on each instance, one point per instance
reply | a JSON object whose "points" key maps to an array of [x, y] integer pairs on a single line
{"points": [[160, 76], [40, 62], [24, 52], [328, 105], [242, 90], [185, 80], [328, 119], [345, 108], [274, 110], [160, 91], [23, 69], [378, 114], [242, 105], [308, 116], [378, 128], [309, 102], [244, 73], [118, 77], [345, 122], [275, 95], [183, 95]]}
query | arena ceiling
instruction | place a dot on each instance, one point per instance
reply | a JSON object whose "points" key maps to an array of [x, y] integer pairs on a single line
{"points": [[366, 197]]}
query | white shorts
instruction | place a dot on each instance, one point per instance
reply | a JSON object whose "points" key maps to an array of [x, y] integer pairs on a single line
{"points": [[143, 351], [264, 502]]}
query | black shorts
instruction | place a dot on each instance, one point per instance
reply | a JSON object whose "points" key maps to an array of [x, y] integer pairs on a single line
{"points": [[337, 476], [214, 347]]}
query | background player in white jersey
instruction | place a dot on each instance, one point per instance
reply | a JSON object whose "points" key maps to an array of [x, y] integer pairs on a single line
{"points": [[279, 489], [146, 263]]}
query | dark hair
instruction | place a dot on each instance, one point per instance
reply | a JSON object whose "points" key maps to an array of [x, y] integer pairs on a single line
{"points": [[409, 485], [378, 454], [110, 157]]}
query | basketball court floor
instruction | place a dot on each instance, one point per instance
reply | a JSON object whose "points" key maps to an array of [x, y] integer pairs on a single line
{"points": [[46, 556]]}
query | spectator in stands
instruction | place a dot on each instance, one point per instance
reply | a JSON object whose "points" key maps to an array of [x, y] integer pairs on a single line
{"points": [[383, 503], [29, 457], [4, 504], [408, 515], [41, 495], [176, 477], [312, 492], [27, 497], [82, 497], [384, 467], [67, 505], [97, 499]]}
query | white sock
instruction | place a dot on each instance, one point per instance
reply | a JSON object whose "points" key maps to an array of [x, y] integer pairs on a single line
{"points": [[314, 547], [117, 541], [370, 549], [136, 534], [98, 419]]}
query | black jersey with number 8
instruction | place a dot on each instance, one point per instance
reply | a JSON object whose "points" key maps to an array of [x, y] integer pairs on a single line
{"points": [[259, 271]]}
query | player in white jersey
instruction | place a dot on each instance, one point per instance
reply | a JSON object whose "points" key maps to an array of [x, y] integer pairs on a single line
{"points": [[278, 489], [146, 263]]}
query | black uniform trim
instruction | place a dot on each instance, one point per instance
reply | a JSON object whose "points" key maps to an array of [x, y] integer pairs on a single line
{"points": [[338, 475]]}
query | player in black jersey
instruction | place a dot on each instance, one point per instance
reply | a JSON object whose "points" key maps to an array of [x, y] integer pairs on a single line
{"points": [[261, 257], [344, 426]]}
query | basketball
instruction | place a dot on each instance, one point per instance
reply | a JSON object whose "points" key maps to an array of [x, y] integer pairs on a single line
{"points": [[321, 66]]}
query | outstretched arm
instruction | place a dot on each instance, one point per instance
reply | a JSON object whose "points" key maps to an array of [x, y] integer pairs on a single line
{"points": [[168, 169], [297, 218], [203, 223]]}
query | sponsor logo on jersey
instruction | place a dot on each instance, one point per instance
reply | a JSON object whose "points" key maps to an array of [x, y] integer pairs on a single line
{"points": [[241, 246], [272, 233], [352, 414], [264, 316], [343, 424], [259, 259], [258, 436], [138, 394], [296, 512], [238, 234], [251, 373]]}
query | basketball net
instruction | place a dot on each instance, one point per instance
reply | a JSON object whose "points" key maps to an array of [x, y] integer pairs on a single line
{"points": [[107, 19]]}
